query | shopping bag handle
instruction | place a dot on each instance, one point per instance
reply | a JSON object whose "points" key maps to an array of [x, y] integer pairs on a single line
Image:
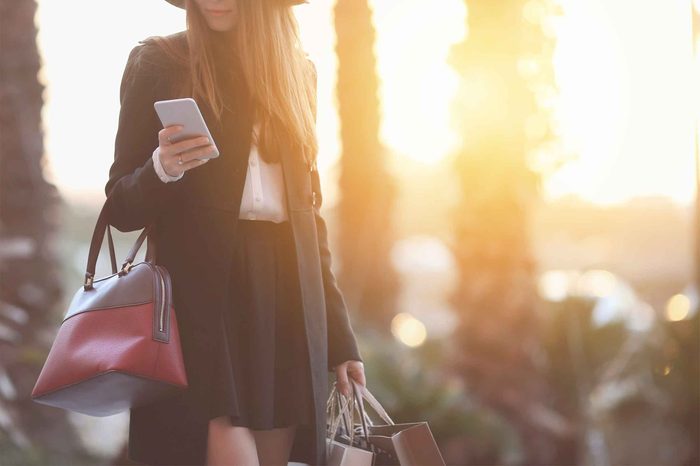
{"points": [[364, 419], [335, 398], [365, 394], [361, 407]]}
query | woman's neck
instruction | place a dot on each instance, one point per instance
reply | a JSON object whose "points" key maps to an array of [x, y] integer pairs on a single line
{"points": [[226, 58], [223, 42]]}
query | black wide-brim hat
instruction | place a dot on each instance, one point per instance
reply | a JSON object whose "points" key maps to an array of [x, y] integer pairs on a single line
{"points": [[181, 3]]}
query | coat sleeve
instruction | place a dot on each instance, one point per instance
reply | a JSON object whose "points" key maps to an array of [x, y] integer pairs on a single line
{"points": [[342, 345], [135, 193]]}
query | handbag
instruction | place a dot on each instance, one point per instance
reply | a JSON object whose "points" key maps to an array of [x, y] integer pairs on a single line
{"points": [[118, 345], [404, 444]]}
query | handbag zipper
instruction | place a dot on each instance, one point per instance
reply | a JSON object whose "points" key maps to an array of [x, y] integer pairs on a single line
{"points": [[163, 303], [162, 300]]}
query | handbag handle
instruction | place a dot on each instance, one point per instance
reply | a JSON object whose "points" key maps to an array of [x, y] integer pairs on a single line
{"points": [[96, 244]]}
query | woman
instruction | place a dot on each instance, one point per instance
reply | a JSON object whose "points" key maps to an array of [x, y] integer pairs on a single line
{"points": [[261, 319]]}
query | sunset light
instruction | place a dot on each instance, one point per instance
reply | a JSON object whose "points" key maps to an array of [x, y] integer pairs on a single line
{"points": [[497, 240], [605, 81]]}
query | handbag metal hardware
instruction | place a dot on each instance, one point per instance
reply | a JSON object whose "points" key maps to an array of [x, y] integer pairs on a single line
{"points": [[88, 282], [126, 267]]}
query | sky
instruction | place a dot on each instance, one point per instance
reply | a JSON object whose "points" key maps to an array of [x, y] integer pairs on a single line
{"points": [[623, 68]]}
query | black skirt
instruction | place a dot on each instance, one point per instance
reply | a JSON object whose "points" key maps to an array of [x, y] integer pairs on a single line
{"points": [[262, 377]]}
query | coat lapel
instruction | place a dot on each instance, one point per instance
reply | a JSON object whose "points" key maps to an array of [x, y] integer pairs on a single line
{"points": [[301, 215]]}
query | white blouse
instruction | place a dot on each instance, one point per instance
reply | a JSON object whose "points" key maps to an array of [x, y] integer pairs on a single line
{"points": [[263, 194]]}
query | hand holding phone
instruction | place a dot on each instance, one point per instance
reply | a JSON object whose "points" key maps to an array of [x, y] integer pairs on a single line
{"points": [[184, 136], [193, 152], [183, 112]]}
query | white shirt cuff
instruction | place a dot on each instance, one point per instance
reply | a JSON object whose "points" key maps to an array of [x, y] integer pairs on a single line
{"points": [[164, 177]]}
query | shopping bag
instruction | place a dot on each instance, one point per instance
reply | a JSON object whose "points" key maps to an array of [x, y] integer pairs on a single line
{"points": [[342, 446], [404, 444]]}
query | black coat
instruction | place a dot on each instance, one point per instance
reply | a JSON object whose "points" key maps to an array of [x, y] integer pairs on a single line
{"points": [[195, 232]]}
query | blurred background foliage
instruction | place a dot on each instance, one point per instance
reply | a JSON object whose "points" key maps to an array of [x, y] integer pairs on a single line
{"points": [[524, 331]]}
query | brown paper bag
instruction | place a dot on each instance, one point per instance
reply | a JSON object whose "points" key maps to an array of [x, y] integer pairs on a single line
{"points": [[405, 444], [346, 455]]}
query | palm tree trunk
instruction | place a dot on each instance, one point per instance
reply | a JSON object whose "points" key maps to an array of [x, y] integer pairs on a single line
{"points": [[30, 288], [499, 350], [367, 189]]}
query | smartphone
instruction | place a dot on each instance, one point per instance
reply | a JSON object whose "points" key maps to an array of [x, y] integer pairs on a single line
{"points": [[184, 112]]}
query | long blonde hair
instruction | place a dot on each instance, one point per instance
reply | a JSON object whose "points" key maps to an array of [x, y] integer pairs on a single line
{"points": [[280, 79]]}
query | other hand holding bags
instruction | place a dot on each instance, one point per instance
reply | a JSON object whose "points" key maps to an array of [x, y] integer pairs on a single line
{"points": [[118, 345]]}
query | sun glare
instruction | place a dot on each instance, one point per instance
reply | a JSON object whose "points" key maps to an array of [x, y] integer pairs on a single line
{"points": [[625, 106], [416, 84]]}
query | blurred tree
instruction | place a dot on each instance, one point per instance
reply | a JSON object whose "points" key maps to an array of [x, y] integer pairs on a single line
{"points": [[689, 337], [367, 190], [501, 111], [30, 285], [412, 385], [696, 53], [677, 373], [633, 393]]}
